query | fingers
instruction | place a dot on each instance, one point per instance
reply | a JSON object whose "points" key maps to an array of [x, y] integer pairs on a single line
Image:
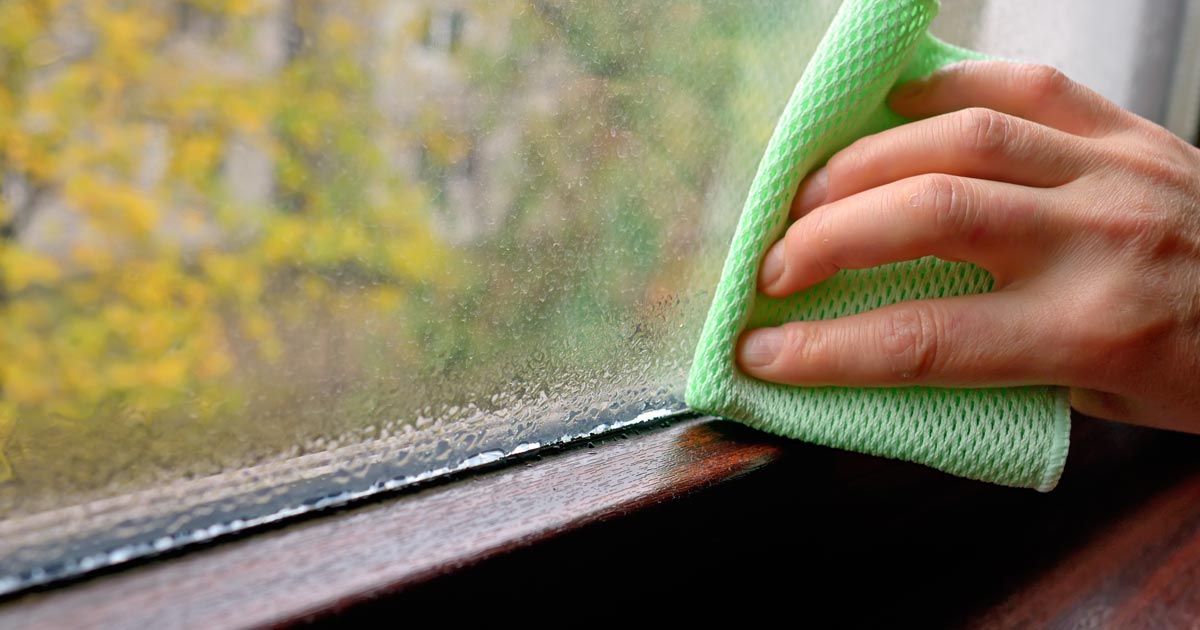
{"points": [[977, 180], [979, 143], [988, 339], [1037, 93], [1098, 404], [1110, 406], [996, 225]]}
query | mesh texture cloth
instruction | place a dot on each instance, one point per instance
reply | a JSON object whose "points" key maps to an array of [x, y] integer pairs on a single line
{"points": [[1009, 436]]}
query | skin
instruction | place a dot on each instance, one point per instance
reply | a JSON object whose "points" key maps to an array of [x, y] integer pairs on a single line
{"points": [[1087, 216]]}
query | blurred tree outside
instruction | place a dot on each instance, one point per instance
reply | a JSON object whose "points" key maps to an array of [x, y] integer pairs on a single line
{"points": [[231, 229]]}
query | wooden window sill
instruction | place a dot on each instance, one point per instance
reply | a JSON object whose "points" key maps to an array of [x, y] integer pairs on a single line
{"points": [[332, 561], [861, 539]]}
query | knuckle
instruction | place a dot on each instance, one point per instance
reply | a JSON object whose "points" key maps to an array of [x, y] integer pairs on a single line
{"points": [[803, 345], [1043, 82], [1152, 138], [985, 132], [1143, 231], [854, 158], [909, 339], [815, 235], [944, 198], [1154, 233], [1162, 169], [1099, 404], [804, 235]]}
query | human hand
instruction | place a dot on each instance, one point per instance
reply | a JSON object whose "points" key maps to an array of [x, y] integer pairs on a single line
{"points": [[1086, 215]]}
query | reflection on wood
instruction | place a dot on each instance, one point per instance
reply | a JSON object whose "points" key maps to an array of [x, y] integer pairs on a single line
{"points": [[830, 536]]}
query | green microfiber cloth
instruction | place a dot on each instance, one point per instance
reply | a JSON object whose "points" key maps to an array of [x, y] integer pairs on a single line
{"points": [[1010, 436]]}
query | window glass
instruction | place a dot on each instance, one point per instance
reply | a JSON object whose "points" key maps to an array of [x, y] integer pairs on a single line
{"points": [[263, 256]]}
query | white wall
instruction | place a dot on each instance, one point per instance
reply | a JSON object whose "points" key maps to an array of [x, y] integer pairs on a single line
{"points": [[1128, 50]]}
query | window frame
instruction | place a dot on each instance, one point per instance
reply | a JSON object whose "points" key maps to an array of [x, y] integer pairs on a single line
{"points": [[328, 562], [1106, 540]]}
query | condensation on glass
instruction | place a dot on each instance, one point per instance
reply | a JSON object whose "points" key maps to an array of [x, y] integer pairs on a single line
{"points": [[261, 256]]}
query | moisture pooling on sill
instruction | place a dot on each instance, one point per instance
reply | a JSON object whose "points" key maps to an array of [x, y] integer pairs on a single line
{"points": [[205, 523]]}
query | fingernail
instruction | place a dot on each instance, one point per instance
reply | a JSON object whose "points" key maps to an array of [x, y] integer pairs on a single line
{"points": [[772, 266], [760, 347], [812, 192]]}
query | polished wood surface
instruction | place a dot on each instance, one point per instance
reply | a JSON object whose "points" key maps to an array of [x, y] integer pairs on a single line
{"points": [[830, 539], [706, 515], [330, 563]]}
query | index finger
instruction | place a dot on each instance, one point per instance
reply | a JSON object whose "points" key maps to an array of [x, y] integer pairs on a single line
{"points": [[1038, 93]]}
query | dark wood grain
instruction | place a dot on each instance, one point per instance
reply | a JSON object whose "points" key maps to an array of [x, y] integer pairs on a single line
{"points": [[832, 539], [1122, 548], [330, 563], [1141, 570], [827, 537]]}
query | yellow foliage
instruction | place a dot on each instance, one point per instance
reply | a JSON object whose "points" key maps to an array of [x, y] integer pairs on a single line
{"points": [[232, 8], [19, 24], [341, 31], [125, 37], [197, 155], [387, 299], [23, 268], [84, 379], [8, 420], [421, 257], [243, 113], [284, 239], [24, 153], [148, 284], [169, 372], [165, 293], [115, 207], [141, 212], [154, 335], [234, 275], [92, 258], [23, 384]]}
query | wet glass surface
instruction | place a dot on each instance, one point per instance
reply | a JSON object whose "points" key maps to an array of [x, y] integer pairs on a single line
{"points": [[261, 256]]}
